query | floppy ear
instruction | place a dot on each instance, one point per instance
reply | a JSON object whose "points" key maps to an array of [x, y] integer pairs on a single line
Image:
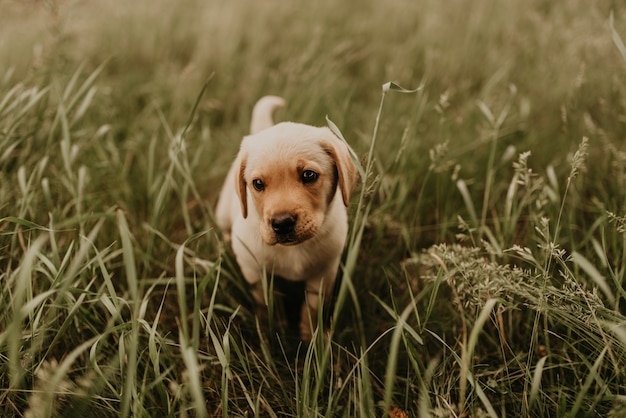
{"points": [[240, 181], [346, 169]]}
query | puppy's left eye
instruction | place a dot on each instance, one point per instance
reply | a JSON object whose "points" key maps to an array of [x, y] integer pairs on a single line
{"points": [[309, 176], [258, 185]]}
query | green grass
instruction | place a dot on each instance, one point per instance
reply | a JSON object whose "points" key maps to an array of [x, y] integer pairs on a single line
{"points": [[485, 269]]}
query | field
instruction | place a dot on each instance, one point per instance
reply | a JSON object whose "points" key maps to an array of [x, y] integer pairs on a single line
{"points": [[485, 273]]}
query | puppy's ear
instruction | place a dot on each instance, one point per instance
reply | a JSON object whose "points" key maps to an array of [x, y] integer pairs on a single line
{"points": [[346, 169], [240, 181]]}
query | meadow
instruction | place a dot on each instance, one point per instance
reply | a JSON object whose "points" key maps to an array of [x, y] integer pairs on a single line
{"points": [[485, 273]]}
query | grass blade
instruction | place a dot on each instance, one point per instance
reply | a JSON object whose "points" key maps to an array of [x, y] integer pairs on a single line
{"points": [[130, 347], [594, 274], [591, 377], [536, 382]]}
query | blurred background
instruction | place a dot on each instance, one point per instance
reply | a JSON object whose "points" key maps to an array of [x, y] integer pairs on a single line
{"points": [[558, 59], [553, 71]]}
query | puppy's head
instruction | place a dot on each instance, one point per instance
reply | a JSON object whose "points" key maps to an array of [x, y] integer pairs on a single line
{"points": [[291, 172]]}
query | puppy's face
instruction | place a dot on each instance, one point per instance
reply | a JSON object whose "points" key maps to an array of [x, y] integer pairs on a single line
{"points": [[292, 172]]}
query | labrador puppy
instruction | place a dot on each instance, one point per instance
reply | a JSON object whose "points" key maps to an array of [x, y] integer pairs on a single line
{"points": [[283, 206]]}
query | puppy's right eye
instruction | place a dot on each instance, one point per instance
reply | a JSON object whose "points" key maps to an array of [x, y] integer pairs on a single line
{"points": [[258, 185], [309, 176]]}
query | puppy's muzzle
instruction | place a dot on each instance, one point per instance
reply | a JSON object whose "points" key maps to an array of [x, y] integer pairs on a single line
{"points": [[284, 227]]}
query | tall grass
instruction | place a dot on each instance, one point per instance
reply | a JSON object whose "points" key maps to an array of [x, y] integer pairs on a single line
{"points": [[484, 273]]}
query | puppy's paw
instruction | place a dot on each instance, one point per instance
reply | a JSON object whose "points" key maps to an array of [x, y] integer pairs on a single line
{"points": [[305, 326], [309, 326], [307, 333]]}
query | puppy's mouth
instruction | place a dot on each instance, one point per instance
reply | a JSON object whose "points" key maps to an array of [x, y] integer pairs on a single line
{"points": [[290, 239], [284, 230]]}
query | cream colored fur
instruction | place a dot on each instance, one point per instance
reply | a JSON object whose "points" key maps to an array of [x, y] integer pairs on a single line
{"points": [[292, 227]]}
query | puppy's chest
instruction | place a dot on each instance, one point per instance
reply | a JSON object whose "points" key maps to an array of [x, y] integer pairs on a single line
{"points": [[296, 264]]}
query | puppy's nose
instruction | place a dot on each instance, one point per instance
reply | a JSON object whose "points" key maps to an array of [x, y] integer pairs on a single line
{"points": [[284, 223]]}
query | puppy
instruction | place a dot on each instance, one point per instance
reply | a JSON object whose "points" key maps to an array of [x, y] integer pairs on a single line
{"points": [[283, 206]]}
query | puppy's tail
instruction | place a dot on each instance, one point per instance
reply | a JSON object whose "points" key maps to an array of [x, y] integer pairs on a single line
{"points": [[263, 111]]}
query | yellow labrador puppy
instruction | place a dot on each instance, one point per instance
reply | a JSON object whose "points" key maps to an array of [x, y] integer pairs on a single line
{"points": [[283, 205]]}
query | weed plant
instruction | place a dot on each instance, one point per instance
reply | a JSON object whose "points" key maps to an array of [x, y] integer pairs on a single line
{"points": [[484, 273]]}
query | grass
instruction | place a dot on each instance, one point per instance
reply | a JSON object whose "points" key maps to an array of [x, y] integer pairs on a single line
{"points": [[485, 269]]}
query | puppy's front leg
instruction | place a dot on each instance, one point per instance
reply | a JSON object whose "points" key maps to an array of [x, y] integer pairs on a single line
{"points": [[255, 281], [315, 289]]}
